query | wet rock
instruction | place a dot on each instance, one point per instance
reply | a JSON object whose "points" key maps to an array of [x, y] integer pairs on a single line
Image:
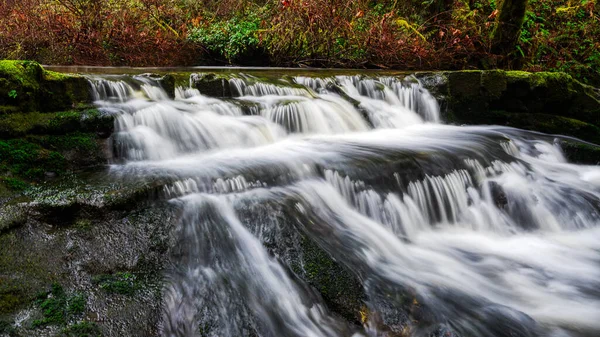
{"points": [[25, 86], [580, 153], [276, 225], [544, 101], [166, 82], [62, 91], [211, 85], [83, 240]]}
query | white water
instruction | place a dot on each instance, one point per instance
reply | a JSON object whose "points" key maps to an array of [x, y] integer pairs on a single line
{"points": [[487, 231]]}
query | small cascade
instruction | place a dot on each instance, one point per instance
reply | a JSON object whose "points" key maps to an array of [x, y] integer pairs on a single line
{"points": [[468, 230], [228, 272], [323, 116], [411, 94], [257, 88], [107, 90]]}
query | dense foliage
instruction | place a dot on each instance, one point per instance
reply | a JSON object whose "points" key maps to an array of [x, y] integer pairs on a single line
{"points": [[425, 34]]}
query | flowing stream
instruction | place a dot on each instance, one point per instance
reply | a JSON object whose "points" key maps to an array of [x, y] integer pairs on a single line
{"points": [[449, 230]]}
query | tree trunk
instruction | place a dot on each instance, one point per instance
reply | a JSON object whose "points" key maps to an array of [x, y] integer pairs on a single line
{"points": [[508, 26]]}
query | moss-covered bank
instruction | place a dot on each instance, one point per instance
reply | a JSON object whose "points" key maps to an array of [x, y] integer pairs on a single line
{"points": [[47, 126], [26, 86], [475, 96], [548, 102]]}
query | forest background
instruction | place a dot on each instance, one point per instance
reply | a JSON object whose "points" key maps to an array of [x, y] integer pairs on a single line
{"points": [[551, 35]]}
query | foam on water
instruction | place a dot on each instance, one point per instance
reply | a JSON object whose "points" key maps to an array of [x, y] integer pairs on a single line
{"points": [[486, 231]]}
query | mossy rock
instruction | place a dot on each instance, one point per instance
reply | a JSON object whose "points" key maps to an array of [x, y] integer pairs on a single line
{"points": [[56, 123], [473, 96], [166, 82], [82, 329], [464, 84], [123, 283], [581, 153], [545, 123], [211, 85], [35, 158], [20, 84], [61, 91], [494, 83], [465, 92], [25, 86], [340, 289], [25, 271]]}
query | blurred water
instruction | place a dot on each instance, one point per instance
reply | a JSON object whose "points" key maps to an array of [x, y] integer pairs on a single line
{"points": [[488, 230]]}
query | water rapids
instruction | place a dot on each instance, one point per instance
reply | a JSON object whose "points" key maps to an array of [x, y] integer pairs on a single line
{"points": [[448, 230]]}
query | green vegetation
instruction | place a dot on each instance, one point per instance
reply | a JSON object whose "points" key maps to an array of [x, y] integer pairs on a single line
{"points": [[232, 39], [533, 35], [37, 139], [7, 329], [339, 288], [25, 159], [123, 283], [14, 184], [58, 308], [83, 329]]}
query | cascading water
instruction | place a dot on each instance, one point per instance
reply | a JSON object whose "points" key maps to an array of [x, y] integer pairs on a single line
{"points": [[450, 231]]}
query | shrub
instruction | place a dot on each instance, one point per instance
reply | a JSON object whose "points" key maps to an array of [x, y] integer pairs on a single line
{"points": [[232, 39]]}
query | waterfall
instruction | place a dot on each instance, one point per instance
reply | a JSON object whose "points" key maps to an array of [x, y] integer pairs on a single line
{"points": [[446, 230]]}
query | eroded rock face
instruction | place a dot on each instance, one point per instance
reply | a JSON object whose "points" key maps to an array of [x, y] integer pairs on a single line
{"points": [[544, 101], [211, 85], [99, 245], [25, 86], [48, 127]]}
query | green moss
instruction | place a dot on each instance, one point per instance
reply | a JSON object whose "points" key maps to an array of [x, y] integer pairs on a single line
{"points": [[14, 184], [57, 308], [31, 157], [28, 87], [494, 83], [339, 288], [85, 142], [516, 75], [581, 153], [16, 125], [7, 329], [55, 76], [25, 159], [76, 305], [122, 283], [53, 305], [7, 109], [545, 79], [82, 329], [27, 73], [20, 84], [19, 124], [62, 91]]}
